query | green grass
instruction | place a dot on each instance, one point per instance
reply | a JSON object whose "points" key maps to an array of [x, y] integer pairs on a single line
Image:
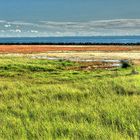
{"points": [[41, 99]]}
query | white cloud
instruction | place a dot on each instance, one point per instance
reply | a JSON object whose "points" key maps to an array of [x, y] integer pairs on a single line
{"points": [[34, 31], [7, 25], [117, 27], [16, 31]]}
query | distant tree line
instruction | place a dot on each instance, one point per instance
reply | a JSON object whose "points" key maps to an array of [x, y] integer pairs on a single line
{"points": [[62, 43]]}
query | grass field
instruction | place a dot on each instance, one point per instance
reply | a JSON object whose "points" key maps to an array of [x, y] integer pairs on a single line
{"points": [[41, 99]]}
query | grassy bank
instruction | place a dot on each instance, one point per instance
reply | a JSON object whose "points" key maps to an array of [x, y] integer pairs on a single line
{"points": [[41, 99]]}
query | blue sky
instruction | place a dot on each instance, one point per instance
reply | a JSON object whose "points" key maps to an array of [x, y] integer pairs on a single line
{"points": [[69, 10], [34, 18]]}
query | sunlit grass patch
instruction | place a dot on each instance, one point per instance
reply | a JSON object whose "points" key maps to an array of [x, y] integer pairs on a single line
{"points": [[39, 103]]}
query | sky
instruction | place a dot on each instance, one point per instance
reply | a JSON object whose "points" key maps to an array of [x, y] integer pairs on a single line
{"points": [[69, 17], [69, 10]]}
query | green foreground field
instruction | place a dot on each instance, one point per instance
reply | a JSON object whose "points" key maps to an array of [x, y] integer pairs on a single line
{"points": [[42, 99]]}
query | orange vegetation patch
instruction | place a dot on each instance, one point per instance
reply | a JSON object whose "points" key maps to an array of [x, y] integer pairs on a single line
{"points": [[47, 48]]}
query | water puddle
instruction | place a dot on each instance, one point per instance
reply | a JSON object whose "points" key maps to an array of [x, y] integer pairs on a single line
{"points": [[99, 63]]}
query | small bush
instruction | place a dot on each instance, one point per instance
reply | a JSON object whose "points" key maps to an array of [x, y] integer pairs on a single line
{"points": [[125, 64]]}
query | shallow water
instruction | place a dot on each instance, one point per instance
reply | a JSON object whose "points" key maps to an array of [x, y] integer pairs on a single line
{"points": [[112, 63]]}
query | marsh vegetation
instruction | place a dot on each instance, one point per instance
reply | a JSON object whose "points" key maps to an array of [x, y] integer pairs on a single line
{"points": [[43, 99]]}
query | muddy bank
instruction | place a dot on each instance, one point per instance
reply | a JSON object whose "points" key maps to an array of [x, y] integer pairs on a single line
{"points": [[65, 48], [94, 55], [89, 60]]}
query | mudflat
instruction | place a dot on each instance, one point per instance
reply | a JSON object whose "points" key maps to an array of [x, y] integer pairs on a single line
{"points": [[48, 48]]}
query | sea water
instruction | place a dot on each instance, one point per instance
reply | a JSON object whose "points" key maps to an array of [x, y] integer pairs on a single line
{"points": [[93, 39]]}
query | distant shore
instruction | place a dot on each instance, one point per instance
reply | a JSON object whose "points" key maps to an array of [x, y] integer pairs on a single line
{"points": [[74, 44]]}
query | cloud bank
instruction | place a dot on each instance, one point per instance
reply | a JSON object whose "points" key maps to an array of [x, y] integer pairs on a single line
{"points": [[118, 27]]}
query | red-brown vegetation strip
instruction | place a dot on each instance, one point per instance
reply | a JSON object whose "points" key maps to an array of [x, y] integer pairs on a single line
{"points": [[46, 48]]}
